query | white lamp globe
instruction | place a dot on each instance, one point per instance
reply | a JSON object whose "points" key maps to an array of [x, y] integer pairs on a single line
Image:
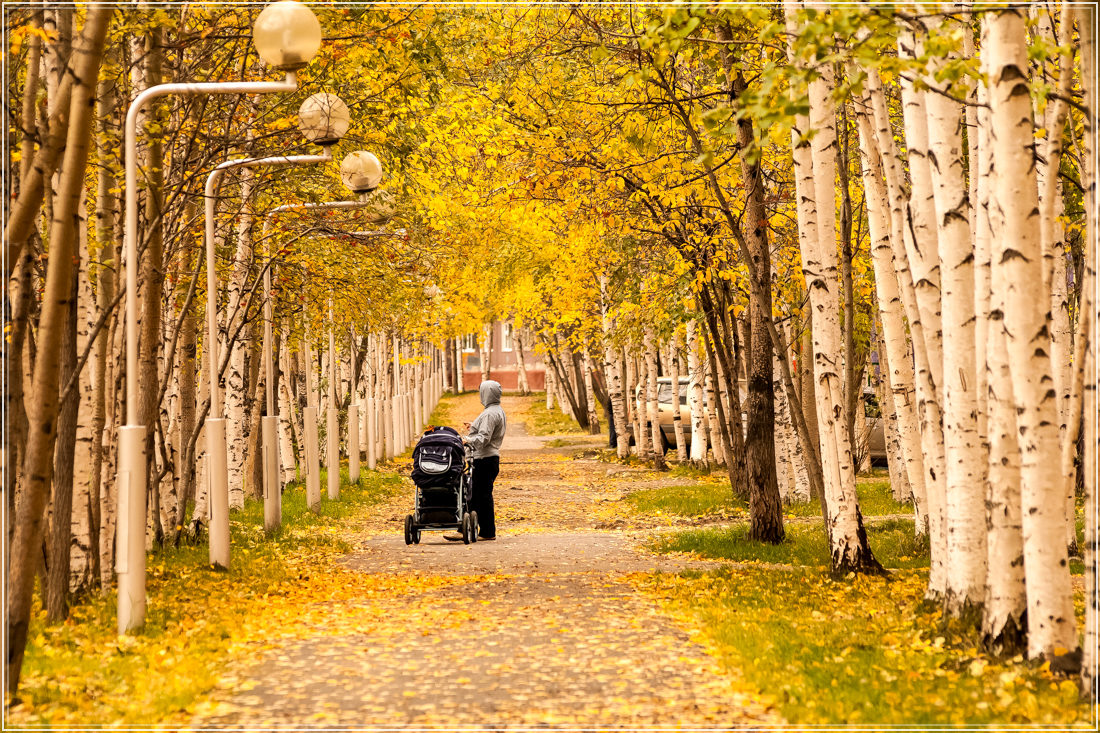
{"points": [[287, 35], [381, 207], [324, 118], [360, 171]]}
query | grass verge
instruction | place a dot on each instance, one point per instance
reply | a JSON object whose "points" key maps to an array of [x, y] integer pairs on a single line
{"points": [[875, 500], [540, 421], [712, 495], [892, 541], [81, 673], [866, 651]]}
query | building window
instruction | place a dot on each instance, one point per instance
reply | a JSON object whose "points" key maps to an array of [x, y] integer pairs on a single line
{"points": [[469, 342], [506, 337]]}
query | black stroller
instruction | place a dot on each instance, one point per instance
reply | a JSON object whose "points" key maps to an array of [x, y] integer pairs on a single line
{"points": [[441, 473]]}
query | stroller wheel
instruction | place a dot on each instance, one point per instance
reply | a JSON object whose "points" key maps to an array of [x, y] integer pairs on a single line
{"points": [[409, 530], [473, 526], [466, 529]]}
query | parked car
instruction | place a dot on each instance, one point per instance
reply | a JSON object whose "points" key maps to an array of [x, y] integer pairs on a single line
{"points": [[876, 430], [875, 438], [665, 414]]}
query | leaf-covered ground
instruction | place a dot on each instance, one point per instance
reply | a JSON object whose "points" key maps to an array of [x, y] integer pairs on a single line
{"points": [[541, 627], [597, 607]]}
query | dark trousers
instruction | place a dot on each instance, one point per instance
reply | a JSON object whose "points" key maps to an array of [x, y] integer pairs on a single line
{"points": [[484, 474]]}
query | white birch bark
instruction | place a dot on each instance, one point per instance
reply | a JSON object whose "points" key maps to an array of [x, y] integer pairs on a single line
{"points": [[1051, 209], [652, 410], [1004, 624], [459, 363], [590, 396], [486, 345], [784, 436], [80, 559], [930, 484], [898, 376], [236, 378], [964, 506], [1086, 16], [815, 175], [1017, 256], [287, 467], [614, 380], [677, 420], [695, 398], [518, 341], [713, 434], [548, 383]]}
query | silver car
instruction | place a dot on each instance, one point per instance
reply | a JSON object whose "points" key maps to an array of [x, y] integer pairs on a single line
{"points": [[873, 438]]}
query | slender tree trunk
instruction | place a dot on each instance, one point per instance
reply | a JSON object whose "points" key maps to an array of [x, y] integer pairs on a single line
{"points": [[1017, 258], [918, 303], [153, 279], [964, 509], [27, 538], [60, 540], [521, 361], [899, 376], [590, 396], [816, 171], [677, 419], [652, 410], [695, 399], [1086, 17], [1004, 618]]}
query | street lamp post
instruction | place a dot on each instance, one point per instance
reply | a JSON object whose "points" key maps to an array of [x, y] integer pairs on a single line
{"points": [[361, 172], [323, 119], [287, 35]]}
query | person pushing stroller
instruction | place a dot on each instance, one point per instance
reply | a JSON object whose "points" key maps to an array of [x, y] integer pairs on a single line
{"points": [[486, 433]]}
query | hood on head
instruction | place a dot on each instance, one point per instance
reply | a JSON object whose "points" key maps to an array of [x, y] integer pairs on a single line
{"points": [[489, 392]]}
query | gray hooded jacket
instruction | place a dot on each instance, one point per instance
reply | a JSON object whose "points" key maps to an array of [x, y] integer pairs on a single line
{"points": [[487, 431]]}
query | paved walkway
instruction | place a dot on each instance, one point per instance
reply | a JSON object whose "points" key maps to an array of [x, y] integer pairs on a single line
{"points": [[541, 628]]}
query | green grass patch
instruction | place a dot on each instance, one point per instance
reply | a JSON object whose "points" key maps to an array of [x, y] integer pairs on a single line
{"points": [[892, 542], [875, 500], [866, 651], [686, 501], [540, 421], [81, 673]]}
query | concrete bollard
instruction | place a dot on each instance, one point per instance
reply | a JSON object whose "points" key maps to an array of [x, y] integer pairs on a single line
{"points": [[272, 486], [313, 459], [353, 443], [372, 444], [332, 429]]}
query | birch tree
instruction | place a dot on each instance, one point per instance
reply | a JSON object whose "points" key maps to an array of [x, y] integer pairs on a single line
{"points": [[1017, 258]]}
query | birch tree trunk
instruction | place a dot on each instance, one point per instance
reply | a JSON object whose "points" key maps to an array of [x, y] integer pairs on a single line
{"points": [[695, 399], [237, 395], [615, 389], [925, 350], [964, 507], [642, 441], [590, 396], [1017, 258], [652, 409], [486, 344], [714, 437], [27, 538], [677, 419], [849, 550], [460, 380], [521, 361], [1086, 18], [922, 257], [1004, 617], [105, 232]]}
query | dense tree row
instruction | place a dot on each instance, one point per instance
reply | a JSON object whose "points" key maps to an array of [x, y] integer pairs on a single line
{"points": [[779, 205]]}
